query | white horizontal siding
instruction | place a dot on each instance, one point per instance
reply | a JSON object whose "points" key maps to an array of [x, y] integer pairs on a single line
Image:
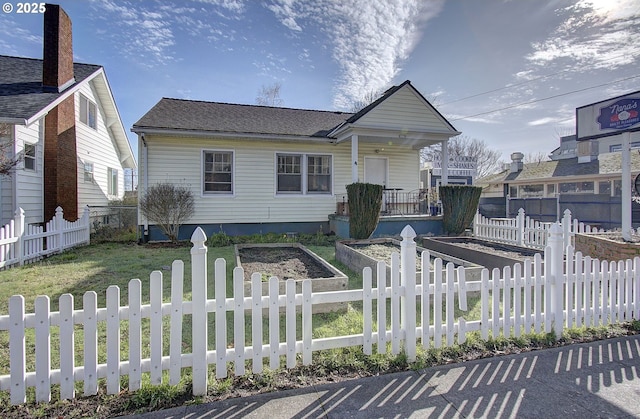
{"points": [[29, 183], [95, 146], [255, 200], [404, 110], [6, 186]]}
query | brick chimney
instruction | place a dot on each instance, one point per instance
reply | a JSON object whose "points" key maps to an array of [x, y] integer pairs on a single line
{"points": [[60, 155], [57, 66]]}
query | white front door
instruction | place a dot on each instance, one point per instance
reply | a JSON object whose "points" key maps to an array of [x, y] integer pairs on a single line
{"points": [[375, 170]]}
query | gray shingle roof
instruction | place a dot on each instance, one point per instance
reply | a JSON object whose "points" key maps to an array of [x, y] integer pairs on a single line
{"points": [[21, 94], [215, 117]]}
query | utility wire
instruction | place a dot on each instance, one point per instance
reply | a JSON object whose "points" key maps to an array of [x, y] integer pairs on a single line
{"points": [[509, 86], [543, 99]]}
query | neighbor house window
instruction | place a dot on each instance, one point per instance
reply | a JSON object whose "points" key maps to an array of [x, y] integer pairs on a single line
{"points": [[513, 191], [88, 172], [617, 187], [289, 173], [30, 156], [618, 147], [112, 181], [551, 189], [576, 187], [531, 191], [88, 112], [604, 187], [218, 172], [303, 173]]}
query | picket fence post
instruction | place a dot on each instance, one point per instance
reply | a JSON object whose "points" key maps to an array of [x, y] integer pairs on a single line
{"points": [[19, 232], [520, 223], [566, 228], [199, 315], [556, 280], [59, 223], [408, 298], [86, 217]]}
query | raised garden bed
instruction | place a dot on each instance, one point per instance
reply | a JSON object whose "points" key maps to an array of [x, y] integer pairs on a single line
{"points": [[482, 252], [290, 261], [358, 254]]}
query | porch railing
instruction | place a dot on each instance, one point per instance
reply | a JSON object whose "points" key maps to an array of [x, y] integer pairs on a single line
{"points": [[397, 202]]}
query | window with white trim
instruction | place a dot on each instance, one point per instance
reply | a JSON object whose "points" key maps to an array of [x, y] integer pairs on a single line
{"points": [[112, 181], [29, 156], [303, 174], [88, 172], [88, 112], [217, 172], [289, 173], [319, 174]]}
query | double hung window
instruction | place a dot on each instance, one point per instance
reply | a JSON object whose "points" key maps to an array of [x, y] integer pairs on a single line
{"points": [[303, 174], [30, 156], [217, 172], [88, 112]]}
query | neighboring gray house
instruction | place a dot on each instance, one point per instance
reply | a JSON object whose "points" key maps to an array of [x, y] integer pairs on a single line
{"points": [[61, 121], [263, 169], [590, 190]]}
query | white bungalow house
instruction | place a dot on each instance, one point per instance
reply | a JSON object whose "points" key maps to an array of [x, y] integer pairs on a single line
{"points": [[60, 120], [259, 169]]}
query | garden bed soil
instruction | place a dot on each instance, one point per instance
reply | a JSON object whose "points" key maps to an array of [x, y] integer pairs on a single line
{"points": [[282, 262], [290, 261], [491, 255], [358, 254]]}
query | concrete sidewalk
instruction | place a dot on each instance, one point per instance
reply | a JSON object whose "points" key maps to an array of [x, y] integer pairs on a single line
{"points": [[592, 380]]}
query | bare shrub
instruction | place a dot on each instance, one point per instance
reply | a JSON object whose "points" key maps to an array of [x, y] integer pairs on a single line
{"points": [[169, 206]]}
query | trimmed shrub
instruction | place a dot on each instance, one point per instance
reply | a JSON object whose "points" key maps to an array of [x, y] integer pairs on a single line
{"points": [[459, 205], [365, 201]]}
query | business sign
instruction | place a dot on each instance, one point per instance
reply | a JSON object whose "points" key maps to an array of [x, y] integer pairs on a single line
{"points": [[609, 117], [621, 114], [458, 165]]}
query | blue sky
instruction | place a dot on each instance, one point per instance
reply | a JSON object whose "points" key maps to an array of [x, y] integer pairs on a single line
{"points": [[510, 73]]}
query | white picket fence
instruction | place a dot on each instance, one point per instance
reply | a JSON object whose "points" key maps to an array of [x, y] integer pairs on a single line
{"points": [[525, 231], [543, 294], [20, 243]]}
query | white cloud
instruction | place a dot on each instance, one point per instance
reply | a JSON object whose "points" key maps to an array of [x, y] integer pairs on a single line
{"points": [[596, 34], [145, 35], [235, 6], [369, 39], [11, 32]]}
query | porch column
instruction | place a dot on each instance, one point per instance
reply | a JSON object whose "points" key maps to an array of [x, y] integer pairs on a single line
{"points": [[444, 159], [354, 158]]}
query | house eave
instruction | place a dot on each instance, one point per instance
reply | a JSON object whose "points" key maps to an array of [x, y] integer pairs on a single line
{"points": [[231, 135], [417, 139], [13, 121]]}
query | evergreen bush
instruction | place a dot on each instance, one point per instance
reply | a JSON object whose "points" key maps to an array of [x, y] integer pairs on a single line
{"points": [[459, 205], [365, 201]]}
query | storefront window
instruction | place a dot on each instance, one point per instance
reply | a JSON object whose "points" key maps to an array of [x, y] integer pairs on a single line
{"points": [[531, 191], [576, 187], [604, 188], [617, 187]]}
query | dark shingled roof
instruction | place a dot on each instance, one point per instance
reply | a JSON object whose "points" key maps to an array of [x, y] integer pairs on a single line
{"points": [[215, 117], [21, 94]]}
